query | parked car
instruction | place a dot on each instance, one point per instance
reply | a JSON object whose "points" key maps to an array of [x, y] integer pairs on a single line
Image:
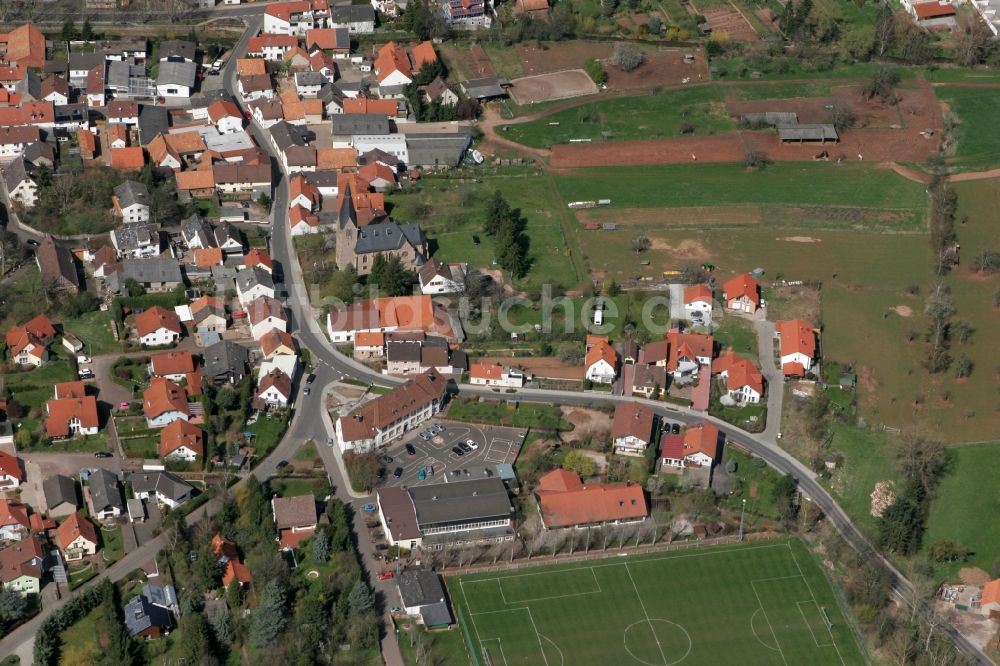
{"points": [[471, 444], [83, 359], [675, 429], [385, 575], [398, 472], [33, 243], [306, 391], [424, 436], [103, 454], [457, 451], [381, 546], [310, 378], [329, 441], [437, 427], [410, 450], [384, 459], [465, 447], [282, 464]]}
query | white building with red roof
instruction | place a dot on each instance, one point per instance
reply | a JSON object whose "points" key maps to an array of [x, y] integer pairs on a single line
{"points": [[494, 374], [164, 402], [742, 294], [697, 447], [632, 428], [744, 383], [11, 474], [296, 18], [796, 346], [157, 326], [601, 363], [182, 441], [226, 116], [377, 422], [698, 304], [77, 538]]}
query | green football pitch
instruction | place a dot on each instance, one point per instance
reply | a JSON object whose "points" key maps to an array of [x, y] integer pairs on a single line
{"points": [[762, 603]]}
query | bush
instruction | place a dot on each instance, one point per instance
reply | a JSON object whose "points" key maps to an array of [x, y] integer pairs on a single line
{"points": [[595, 70], [627, 57]]}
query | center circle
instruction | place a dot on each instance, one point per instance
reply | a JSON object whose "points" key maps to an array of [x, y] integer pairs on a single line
{"points": [[657, 642]]}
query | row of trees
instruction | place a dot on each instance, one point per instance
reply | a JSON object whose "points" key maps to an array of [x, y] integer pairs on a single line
{"points": [[920, 462], [510, 244]]}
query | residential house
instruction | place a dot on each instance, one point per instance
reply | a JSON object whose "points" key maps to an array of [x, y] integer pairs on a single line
{"points": [[175, 80], [123, 112], [166, 488], [494, 374], [131, 201], [154, 274], [277, 343], [22, 565], [175, 365], [116, 136], [138, 240], [209, 315], [77, 538], [438, 277], [296, 17], [183, 441], [699, 447], [157, 326], [797, 346], [565, 501], [252, 283], [60, 495], [144, 620], [105, 496], [233, 569], [14, 522], [225, 362], [632, 428], [334, 41], [226, 116], [989, 601], [648, 379], [164, 402], [264, 314], [389, 416], [257, 256], [274, 389], [11, 473], [71, 413], [369, 345], [422, 596], [698, 304], [197, 233], [440, 92], [601, 363], [57, 266], [24, 45], [243, 180], [14, 140], [467, 14], [442, 515], [682, 354], [128, 159], [295, 518], [271, 47], [358, 19], [28, 344], [744, 383], [742, 294], [19, 178], [255, 86], [402, 356], [177, 50]]}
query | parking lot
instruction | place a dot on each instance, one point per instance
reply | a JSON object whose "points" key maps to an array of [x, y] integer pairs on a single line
{"points": [[494, 446]]}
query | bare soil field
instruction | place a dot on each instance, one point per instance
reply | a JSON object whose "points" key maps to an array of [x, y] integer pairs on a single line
{"points": [[557, 85], [480, 62], [662, 67], [544, 366], [562, 55], [727, 19], [916, 108]]}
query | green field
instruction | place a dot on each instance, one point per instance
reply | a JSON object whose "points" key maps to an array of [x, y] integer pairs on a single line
{"points": [[749, 604], [624, 118], [782, 184], [977, 147], [452, 211], [967, 489], [526, 415]]}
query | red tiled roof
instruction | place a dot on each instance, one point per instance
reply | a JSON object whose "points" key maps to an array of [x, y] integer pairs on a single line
{"points": [[87, 140], [672, 446], [63, 410], [197, 179], [175, 362], [698, 292], [251, 66], [117, 132], [793, 370], [269, 40], [423, 54], [163, 396], [73, 527], [376, 170], [687, 346], [127, 159], [15, 560], [369, 339], [181, 433], [589, 504], [386, 107], [929, 10], [262, 307], [392, 58], [277, 380], [206, 257], [703, 438], [742, 285], [991, 593], [739, 371], [632, 418], [155, 318], [797, 337], [601, 351], [26, 46], [75, 389], [485, 370], [10, 466], [365, 421], [13, 513], [275, 338], [258, 257], [223, 108], [236, 571]]}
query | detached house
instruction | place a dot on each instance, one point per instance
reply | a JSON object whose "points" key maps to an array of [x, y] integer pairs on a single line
{"points": [[164, 402], [22, 566], [698, 447], [632, 428], [744, 383], [797, 346], [131, 201], [19, 178], [698, 304], [494, 374], [28, 344], [175, 365], [183, 441], [167, 489], [14, 522], [295, 518], [106, 501], [209, 315], [438, 277], [72, 413], [157, 326], [742, 294], [226, 116], [265, 314], [565, 501], [76, 538], [275, 389], [277, 343], [11, 474], [601, 363]]}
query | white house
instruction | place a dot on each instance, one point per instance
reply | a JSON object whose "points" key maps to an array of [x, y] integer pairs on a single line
{"points": [[131, 201], [76, 537], [797, 346], [252, 283], [175, 80], [166, 488], [744, 383], [437, 277], [164, 402], [698, 304], [275, 389], [265, 313], [157, 326], [10, 471], [601, 363], [181, 441], [632, 428], [20, 182], [482, 374], [742, 294], [699, 447], [226, 116], [295, 18]]}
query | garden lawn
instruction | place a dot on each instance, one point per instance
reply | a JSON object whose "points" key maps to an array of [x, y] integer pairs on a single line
{"points": [[526, 415], [978, 147], [94, 330], [785, 184], [452, 211], [32, 388], [868, 457], [737, 334], [721, 605], [756, 479], [289, 486], [964, 500], [83, 635], [626, 118], [267, 433], [445, 648], [142, 447], [113, 547]]}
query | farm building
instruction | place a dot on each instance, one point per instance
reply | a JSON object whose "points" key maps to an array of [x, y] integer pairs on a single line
{"points": [[772, 118], [808, 133]]}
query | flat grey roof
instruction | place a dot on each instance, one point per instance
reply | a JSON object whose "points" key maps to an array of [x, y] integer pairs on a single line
{"points": [[461, 502], [808, 132]]}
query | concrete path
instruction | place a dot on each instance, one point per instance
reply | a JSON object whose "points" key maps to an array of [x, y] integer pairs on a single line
{"points": [[775, 379]]}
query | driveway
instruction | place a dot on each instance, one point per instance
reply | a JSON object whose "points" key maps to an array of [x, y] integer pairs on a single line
{"points": [[775, 378], [68, 464]]}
